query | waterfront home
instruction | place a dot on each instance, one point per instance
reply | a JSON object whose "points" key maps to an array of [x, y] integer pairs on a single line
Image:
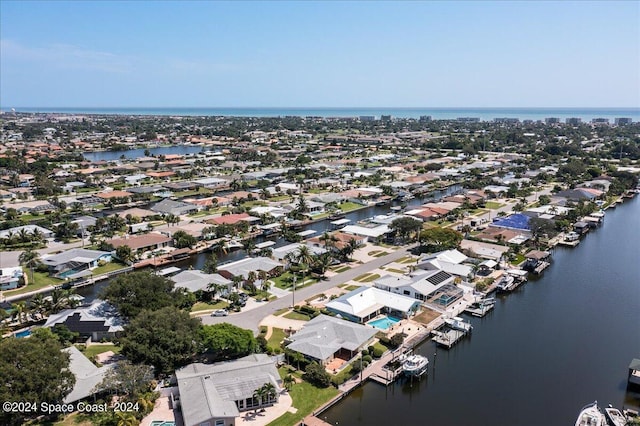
{"points": [[449, 261], [195, 280], [421, 285], [535, 258], [365, 303], [231, 219], [212, 183], [176, 208], [111, 195], [141, 243], [137, 212], [10, 277], [280, 253], [215, 394], [243, 267], [97, 321], [483, 250], [75, 263], [370, 233], [88, 375], [338, 240], [31, 207], [325, 338]]}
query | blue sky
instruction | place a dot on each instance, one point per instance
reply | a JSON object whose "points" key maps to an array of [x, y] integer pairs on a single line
{"points": [[319, 54]]}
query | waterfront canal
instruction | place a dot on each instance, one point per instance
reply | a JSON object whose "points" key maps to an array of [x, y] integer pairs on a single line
{"points": [[556, 344]]}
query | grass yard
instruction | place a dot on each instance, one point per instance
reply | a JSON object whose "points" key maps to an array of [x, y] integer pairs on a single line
{"points": [[426, 316], [367, 278], [342, 268], [397, 271], [93, 350], [202, 306], [280, 312], [306, 398], [518, 259], [109, 267], [297, 316], [352, 287], [492, 205], [350, 206], [382, 253], [403, 259], [277, 336], [285, 281], [40, 280]]}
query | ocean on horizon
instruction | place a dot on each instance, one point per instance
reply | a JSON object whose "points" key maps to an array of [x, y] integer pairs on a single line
{"points": [[485, 114]]}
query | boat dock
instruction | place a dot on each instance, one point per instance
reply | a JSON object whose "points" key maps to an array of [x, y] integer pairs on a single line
{"points": [[564, 242], [448, 337], [479, 310]]}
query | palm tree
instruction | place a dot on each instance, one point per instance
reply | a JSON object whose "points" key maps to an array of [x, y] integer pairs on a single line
{"points": [[126, 418], [20, 311], [249, 245], [30, 258], [328, 239], [322, 263], [237, 280], [220, 246], [216, 289], [24, 236], [39, 305], [288, 381], [251, 279], [304, 255]]}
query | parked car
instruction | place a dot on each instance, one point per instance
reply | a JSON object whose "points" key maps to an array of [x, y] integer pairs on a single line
{"points": [[220, 313]]}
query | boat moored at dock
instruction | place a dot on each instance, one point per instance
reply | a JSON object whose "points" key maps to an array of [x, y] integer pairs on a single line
{"points": [[591, 415], [415, 365], [615, 417], [458, 323]]}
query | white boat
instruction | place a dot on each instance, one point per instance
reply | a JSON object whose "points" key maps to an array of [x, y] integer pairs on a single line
{"points": [[591, 415], [616, 418], [572, 236], [458, 323], [415, 365], [506, 283]]}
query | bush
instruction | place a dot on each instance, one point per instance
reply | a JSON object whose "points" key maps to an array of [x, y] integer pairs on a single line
{"points": [[367, 359], [365, 352], [377, 352], [370, 349], [397, 340], [317, 375]]}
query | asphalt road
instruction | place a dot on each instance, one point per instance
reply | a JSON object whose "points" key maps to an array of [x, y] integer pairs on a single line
{"points": [[251, 319]]}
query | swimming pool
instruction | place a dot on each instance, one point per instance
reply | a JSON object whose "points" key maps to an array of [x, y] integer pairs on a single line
{"points": [[384, 322], [23, 334]]}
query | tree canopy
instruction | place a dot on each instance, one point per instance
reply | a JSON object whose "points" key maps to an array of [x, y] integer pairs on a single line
{"points": [[437, 239], [405, 226], [228, 341], [166, 339], [131, 293], [33, 370]]}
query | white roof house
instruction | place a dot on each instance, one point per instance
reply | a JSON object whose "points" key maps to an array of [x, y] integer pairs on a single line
{"points": [[420, 286], [364, 303], [323, 336], [244, 266], [364, 231]]}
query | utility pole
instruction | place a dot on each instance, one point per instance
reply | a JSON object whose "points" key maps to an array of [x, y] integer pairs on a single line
{"points": [[293, 293]]}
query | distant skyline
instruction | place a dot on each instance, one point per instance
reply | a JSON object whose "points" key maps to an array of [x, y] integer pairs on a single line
{"points": [[319, 54]]}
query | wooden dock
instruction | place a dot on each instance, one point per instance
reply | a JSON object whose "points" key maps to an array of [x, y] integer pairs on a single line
{"points": [[480, 311], [569, 243]]}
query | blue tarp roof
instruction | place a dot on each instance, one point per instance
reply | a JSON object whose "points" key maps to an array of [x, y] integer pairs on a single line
{"points": [[515, 221]]}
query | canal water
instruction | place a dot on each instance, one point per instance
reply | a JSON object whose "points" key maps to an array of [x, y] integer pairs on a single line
{"points": [[558, 343]]}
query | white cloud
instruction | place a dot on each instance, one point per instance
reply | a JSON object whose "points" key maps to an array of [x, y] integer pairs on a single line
{"points": [[65, 56]]}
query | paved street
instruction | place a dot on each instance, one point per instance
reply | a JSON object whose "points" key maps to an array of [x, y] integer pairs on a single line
{"points": [[251, 319]]}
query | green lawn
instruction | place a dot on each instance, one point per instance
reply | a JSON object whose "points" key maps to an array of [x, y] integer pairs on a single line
{"points": [[352, 287], [306, 398], [367, 278], [109, 267], [519, 259], [40, 280], [277, 336], [403, 259], [492, 205], [397, 271], [93, 350], [285, 281], [350, 206], [342, 268], [202, 306], [382, 253], [344, 375], [280, 311], [297, 316]]}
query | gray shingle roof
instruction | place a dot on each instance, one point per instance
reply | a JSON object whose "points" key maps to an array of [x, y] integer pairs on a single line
{"points": [[88, 376], [323, 336]]}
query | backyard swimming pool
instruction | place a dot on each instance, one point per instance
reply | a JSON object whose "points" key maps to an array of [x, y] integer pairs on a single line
{"points": [[23, 334], [384, 322]]}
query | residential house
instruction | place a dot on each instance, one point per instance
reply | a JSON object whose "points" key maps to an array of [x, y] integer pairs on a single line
{"points": [[449, 261], [243, 267], [365, 303], [421, 285], [196, 280], [75, 263], [88, 375], [142, 243], [29, 229], [10, 277], [215, 394], [176, 208], [97, 321], [324, 338]]}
